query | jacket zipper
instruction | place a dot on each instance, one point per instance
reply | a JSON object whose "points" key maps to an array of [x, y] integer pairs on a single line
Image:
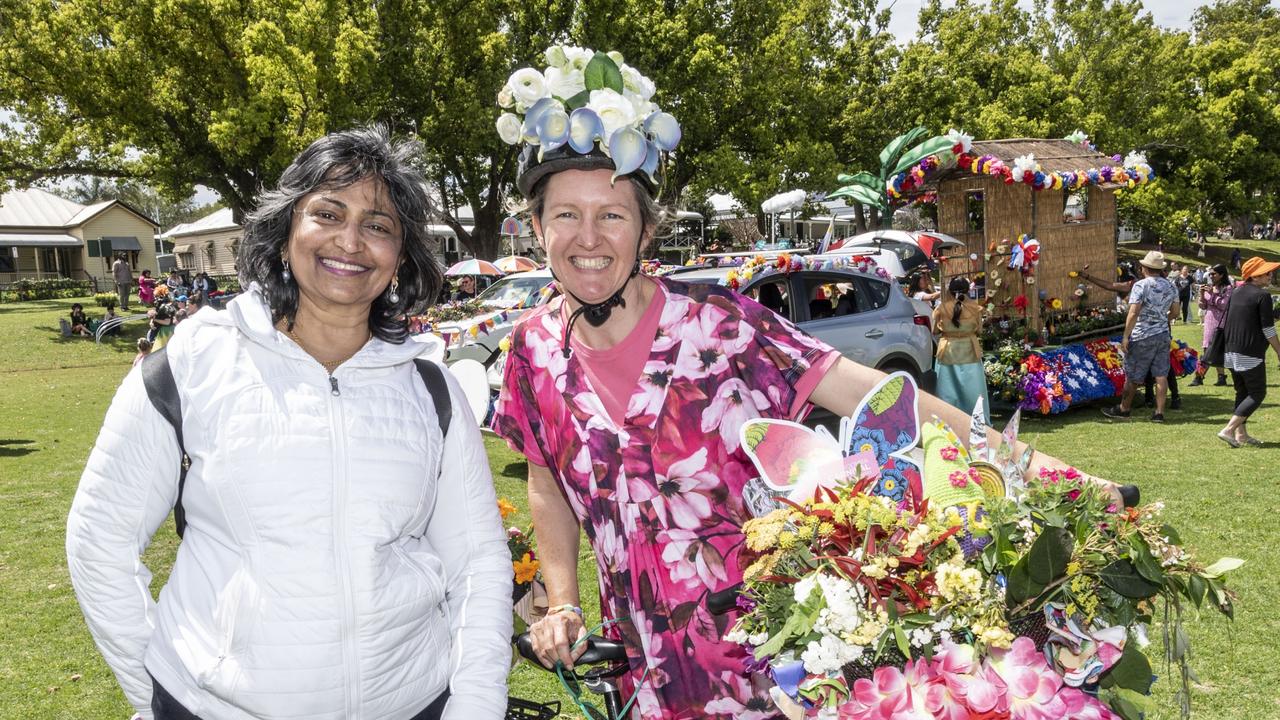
{"points": [[338, 443]]}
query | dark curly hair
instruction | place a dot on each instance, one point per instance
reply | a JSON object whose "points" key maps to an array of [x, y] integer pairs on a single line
{"points": [[339, 160]]}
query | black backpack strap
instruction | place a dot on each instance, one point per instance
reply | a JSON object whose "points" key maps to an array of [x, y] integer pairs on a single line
{"points": [[157, 378], [433, 378]]}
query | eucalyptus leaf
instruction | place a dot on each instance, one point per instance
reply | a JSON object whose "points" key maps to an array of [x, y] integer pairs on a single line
{"points": [[1124, 578], [601, 73], [1050, 554], [1181, 643], [1146, 563], [900, 638], [1196, 589], [1169, 532], [1222, 567], [577, 101]]}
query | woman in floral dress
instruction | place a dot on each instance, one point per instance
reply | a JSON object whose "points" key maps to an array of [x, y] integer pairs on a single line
{"points": [[630, 420]]}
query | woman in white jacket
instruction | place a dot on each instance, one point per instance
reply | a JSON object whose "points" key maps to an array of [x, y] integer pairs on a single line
{"points": [[342, 559]]}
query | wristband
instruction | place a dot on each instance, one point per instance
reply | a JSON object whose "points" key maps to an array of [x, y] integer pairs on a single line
{"points": [[567, 607]]}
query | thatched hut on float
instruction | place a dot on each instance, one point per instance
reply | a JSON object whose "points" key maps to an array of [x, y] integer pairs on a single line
{"points": [[1029, 211]]}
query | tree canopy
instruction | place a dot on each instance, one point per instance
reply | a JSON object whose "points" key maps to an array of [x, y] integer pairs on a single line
{"points": [[772, 95]]}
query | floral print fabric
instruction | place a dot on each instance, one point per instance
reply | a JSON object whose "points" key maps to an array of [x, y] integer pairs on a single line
{"points": [[660, 497]]}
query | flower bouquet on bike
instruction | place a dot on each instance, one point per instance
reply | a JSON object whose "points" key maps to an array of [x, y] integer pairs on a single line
{"points": [[896, 573]]}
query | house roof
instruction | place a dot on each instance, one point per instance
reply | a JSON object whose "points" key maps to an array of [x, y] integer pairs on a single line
{"points": [[35, 208], [26, 239], [217, 220]]}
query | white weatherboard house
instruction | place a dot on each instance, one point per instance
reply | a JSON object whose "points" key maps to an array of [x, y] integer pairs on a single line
{"points": [[44, 236], [206, 245]]}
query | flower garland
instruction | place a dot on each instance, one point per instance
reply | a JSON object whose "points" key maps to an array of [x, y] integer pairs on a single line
{"points": [[1131, 171], [761, 265], [1024, 254]]}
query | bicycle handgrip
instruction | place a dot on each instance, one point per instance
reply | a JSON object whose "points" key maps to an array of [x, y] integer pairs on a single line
{"points": [[1130, 495], [722, 601], [599, 651]]}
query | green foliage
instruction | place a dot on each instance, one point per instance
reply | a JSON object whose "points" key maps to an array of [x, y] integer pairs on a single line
{"points": [[48, 289], [106, 299]]}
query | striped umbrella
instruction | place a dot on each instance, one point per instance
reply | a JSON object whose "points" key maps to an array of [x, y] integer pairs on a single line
{"points": [[515, 263], [473, 267]]}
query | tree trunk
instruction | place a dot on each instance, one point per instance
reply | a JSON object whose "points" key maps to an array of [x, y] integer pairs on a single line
{"points": [[1241, 227], [859, 219]]}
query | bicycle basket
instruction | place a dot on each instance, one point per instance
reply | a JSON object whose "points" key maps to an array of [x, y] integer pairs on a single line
{"points": [[518, 709]]}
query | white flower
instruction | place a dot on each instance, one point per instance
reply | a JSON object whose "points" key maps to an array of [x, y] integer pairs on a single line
{"points": [[616, 57], [506, 99], [828, 655], [578, 57], [509, 128], [804, 587], [758, 639], [564, 83], [635, 82], [641, 107], [921, 637], [1135, 159], [1022, 164], [736, 635], [615, 111], [959, 137], [528, 86], [556, 57]]}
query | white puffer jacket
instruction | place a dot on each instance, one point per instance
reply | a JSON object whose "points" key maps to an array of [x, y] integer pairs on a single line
{"points": [[338, 562]]}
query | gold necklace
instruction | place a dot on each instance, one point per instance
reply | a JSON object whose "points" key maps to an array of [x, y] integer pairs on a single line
{"points": [[330, 367]]}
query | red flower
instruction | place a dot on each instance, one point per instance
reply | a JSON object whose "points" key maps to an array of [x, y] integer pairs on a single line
{"points": [[1020, 302]]}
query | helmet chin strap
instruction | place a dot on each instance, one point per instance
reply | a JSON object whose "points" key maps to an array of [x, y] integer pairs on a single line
{"points": [[597, 314]]}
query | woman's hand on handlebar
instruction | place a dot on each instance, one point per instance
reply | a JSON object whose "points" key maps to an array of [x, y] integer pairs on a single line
{"points": [[554, 636]]}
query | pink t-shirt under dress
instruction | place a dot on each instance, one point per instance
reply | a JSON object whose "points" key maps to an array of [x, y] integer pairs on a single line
{"points": [[659, 495]]}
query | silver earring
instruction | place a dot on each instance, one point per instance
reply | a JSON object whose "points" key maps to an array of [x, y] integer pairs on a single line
{"points": [[393, 297], [286, 275]]}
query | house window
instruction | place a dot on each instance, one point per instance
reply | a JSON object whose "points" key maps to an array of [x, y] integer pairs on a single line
{"points": [[7, 259], [1075, 205], [159, 246], [975, 211], [211, 252]]}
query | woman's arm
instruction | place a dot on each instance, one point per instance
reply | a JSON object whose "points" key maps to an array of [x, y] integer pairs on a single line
{"points": [[466, 532], [556, 529], [844, 386], [129, 485]]}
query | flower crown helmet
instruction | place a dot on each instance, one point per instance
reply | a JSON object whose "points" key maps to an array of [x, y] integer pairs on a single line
{"points": [[586, 111]]}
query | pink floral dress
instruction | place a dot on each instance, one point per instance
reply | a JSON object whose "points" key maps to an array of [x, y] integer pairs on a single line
{"points": [[660, 498]]}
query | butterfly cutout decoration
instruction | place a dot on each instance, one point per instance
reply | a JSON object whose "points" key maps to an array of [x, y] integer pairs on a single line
{"points": [[874, 442], [999, 464]]}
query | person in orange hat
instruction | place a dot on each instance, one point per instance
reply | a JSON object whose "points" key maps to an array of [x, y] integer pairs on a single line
{"points": [[1249, 328]]}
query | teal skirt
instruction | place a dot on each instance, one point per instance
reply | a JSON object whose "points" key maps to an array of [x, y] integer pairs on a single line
{"points": [[962, 385]]}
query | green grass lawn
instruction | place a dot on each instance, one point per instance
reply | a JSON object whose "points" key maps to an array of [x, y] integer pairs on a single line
{"points": [[56, 391]]}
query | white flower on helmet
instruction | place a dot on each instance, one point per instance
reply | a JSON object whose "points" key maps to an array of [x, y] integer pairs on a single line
{"points": [[615, 111], [564, 83], [635, 82], [506, 98], [509, 128], [528, 86]]}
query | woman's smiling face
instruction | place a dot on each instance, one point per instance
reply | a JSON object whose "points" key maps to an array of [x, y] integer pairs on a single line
{"points": [[591, 231], [344, 246]]}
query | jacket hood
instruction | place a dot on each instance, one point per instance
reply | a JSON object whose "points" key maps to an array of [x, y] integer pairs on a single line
{"points": [[248, 312]]}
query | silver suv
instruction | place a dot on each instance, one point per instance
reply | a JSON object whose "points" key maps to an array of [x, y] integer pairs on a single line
{"points": [[869, 319]]}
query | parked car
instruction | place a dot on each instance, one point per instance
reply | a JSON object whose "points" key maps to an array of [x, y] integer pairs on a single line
{"points": [[871, 322], [515, 293]]}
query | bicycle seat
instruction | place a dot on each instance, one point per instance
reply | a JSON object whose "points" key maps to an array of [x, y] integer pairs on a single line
{"points": [[599, 651]]}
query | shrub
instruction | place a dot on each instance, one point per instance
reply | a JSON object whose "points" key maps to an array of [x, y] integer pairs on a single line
{"points": [[53, 288], [106, 299]]}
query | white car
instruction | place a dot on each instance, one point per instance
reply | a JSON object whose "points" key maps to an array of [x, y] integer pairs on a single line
{"points": [[513, 294]]}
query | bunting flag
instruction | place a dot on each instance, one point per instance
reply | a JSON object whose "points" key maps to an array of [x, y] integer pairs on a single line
{"points": [[826, 239]]}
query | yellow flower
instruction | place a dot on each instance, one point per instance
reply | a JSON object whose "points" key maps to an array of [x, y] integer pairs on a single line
{"points": [[505, 508], [1073, 568], [786, 540], [505, 343], [526, 568]]}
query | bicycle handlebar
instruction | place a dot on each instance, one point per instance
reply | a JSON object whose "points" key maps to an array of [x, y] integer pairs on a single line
{"points": [[599, 651]]}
